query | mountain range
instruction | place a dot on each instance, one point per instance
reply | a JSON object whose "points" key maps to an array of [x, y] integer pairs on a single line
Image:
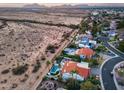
{"points": [[35, 5]]}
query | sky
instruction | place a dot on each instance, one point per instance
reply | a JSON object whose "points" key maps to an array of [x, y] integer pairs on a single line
{"points": [[22, 4], [56, 4]]}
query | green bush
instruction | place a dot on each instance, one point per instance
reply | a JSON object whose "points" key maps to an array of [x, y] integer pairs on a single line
{"points": [[48, 63], [72, 45], [90, 84], [73, 57], [72, 84], [100, 49], [120, 24], [87, 85], [121, 46]]}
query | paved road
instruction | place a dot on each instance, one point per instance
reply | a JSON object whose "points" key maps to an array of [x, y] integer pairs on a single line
{"points": [[104, 39], [107, 79]]}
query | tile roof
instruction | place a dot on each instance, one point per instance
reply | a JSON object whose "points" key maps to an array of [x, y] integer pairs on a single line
{"points": [[81, 70], [85, 51]]}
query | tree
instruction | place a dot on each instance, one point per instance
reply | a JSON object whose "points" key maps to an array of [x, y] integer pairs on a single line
{"points": [[87, 85], [73, 72], [120, 24], [72, 45], [48, 63], [72, 84], [95, 28], [83, 26], [121, 46], [74, 26]]}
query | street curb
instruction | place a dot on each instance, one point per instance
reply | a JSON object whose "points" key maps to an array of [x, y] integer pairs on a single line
{"points": [[114, 78], [101, 71], [115, 81], [112, 52], [115, 48]]}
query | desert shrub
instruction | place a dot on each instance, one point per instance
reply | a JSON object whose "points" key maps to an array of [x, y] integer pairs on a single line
{"points": [[43, 58], [14, 85], [5, 71], [2, 55], [19, 70], [36, 67], [51, 48]]}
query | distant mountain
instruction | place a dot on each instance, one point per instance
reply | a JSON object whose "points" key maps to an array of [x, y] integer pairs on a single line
{"points": [[90, 5], [71, 6], [34, 6], [110, 4]]}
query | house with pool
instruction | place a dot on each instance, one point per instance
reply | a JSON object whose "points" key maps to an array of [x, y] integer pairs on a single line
{"points": [[55, 71], [78, 71]]}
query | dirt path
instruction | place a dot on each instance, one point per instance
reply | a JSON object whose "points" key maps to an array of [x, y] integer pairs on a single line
{"points": [[38, 22]]}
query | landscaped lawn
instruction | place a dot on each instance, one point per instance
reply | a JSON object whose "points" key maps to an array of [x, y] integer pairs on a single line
{"points": [[75, 58], [120, 72]]}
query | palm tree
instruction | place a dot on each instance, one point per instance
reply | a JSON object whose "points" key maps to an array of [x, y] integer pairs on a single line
{"points": [[48, 63], [73, 72]]}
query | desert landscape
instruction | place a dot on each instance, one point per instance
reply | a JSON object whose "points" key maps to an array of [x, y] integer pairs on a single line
{"points": [[26, 48]]}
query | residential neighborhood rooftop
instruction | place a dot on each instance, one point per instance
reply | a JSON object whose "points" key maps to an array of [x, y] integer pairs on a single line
{"points": [[81, 69]]}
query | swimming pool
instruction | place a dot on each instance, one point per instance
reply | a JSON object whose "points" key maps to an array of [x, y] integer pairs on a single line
{"points": [[55, 69]]}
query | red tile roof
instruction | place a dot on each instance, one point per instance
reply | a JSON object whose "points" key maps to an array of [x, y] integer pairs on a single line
{"points": [[70, 66], [86, 52]]}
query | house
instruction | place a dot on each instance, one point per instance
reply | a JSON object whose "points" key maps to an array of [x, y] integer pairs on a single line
{"points": [[84, 42], [85, 53], [90, 36], [113, 25], [64, 60], [121, 37], [70, 51], [92, 43], [95, 13], [88, 32], [79, 71], [112, 33], [84, 45]]}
